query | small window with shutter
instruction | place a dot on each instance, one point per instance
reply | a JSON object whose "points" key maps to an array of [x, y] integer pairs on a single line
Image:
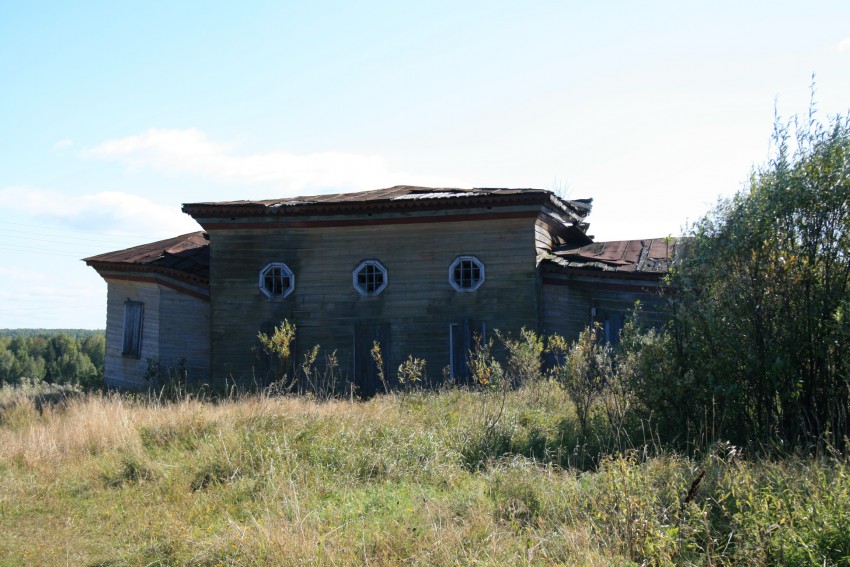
{"points": [[133, 312]]}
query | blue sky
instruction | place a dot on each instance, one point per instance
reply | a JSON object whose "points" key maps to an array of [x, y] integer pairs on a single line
{"points": [[112, 114]]}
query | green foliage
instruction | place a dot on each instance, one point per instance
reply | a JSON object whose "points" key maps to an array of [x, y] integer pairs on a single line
{"points": [[278, 346], [323, 382], [484, 369], [80, 334], [56, 357], [412, 371], [378, 358], [646, 387], [586, 370], [524, 356], [761, 332]]}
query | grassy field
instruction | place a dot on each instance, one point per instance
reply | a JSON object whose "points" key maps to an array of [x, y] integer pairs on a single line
{"points": [[440, 478]]}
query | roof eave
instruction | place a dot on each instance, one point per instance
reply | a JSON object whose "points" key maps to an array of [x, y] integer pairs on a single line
{"points": [[249, 209], [188, 278]]}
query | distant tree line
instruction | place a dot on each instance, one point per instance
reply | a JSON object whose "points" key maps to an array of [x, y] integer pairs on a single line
{"points": [[72, 356], [29, 333]]}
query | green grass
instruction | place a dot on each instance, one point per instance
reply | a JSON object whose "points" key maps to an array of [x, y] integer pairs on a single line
{"points": [[413, 479]]}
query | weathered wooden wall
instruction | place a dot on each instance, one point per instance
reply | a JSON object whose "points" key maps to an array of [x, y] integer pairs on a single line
{"points": [[120, 371], [419, 304], [571, 304], [184, 334], [175, 327]]}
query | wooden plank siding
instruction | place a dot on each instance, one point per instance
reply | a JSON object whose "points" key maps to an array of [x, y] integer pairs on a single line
{"points": [[571, 304], [184, 335], [122, 371], [418, 304], [175, 326], [543, 238]]}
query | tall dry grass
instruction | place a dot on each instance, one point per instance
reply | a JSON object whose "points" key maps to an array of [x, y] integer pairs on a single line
{"points": [[414, 479]]}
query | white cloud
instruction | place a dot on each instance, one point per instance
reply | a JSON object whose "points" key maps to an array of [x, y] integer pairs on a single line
{"points": [[62, 144], [843, 45], [20, 275], [191, 151], [108, 211]]}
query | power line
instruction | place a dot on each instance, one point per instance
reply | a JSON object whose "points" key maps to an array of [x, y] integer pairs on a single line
{"points": [[30, 250], [65, 240], [111, 235], [62, 236]]}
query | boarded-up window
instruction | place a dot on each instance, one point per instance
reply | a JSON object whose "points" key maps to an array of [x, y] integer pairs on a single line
{"points": [[133, 316]]}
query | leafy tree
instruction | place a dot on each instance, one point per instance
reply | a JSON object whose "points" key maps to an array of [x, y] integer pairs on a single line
{"points": [[54, 356], [26, 366], [60, 357], [7, 363], [94, 346], [762, 320]]}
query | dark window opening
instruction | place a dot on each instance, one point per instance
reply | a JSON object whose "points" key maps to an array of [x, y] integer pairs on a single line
{"points": [[133, 321], [466, 273], [370, 277], [277, 280]]}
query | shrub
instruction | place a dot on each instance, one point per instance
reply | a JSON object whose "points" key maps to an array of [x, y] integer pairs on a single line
{"points": [[278, 346], [524, 356], [586, 370], [761, 318], [411, 372]]}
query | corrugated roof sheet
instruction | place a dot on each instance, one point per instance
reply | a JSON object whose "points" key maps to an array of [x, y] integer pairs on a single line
{"points": [[647, 256], [187, 254]]}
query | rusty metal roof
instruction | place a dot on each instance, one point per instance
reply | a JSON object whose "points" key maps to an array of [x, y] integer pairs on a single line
{"points": [[647, 256], [400, 197], [185, 257]]}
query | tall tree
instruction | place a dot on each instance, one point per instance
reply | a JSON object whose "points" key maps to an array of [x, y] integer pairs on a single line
{"points": [[762, 322]]}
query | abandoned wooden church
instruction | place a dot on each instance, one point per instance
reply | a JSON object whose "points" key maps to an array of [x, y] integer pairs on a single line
{"points": [[420, 270]]}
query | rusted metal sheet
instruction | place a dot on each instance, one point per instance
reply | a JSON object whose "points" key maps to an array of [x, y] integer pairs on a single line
{"points": [[400, 197], [648, 256], [187, 255]]}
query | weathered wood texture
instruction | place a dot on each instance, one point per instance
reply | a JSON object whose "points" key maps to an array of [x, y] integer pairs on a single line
{"points": [[175, 327], [543, 238], [121, 371], [571, 305], [184, 335], [418, 304]]}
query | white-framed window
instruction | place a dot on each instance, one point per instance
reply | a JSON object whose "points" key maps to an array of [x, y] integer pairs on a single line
{"points": [[277, 280], [133, 320], [466, 273], [369, 277]]}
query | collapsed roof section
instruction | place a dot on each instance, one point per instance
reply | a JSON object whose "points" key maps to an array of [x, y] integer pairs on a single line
{"points": [[649, 258]]}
